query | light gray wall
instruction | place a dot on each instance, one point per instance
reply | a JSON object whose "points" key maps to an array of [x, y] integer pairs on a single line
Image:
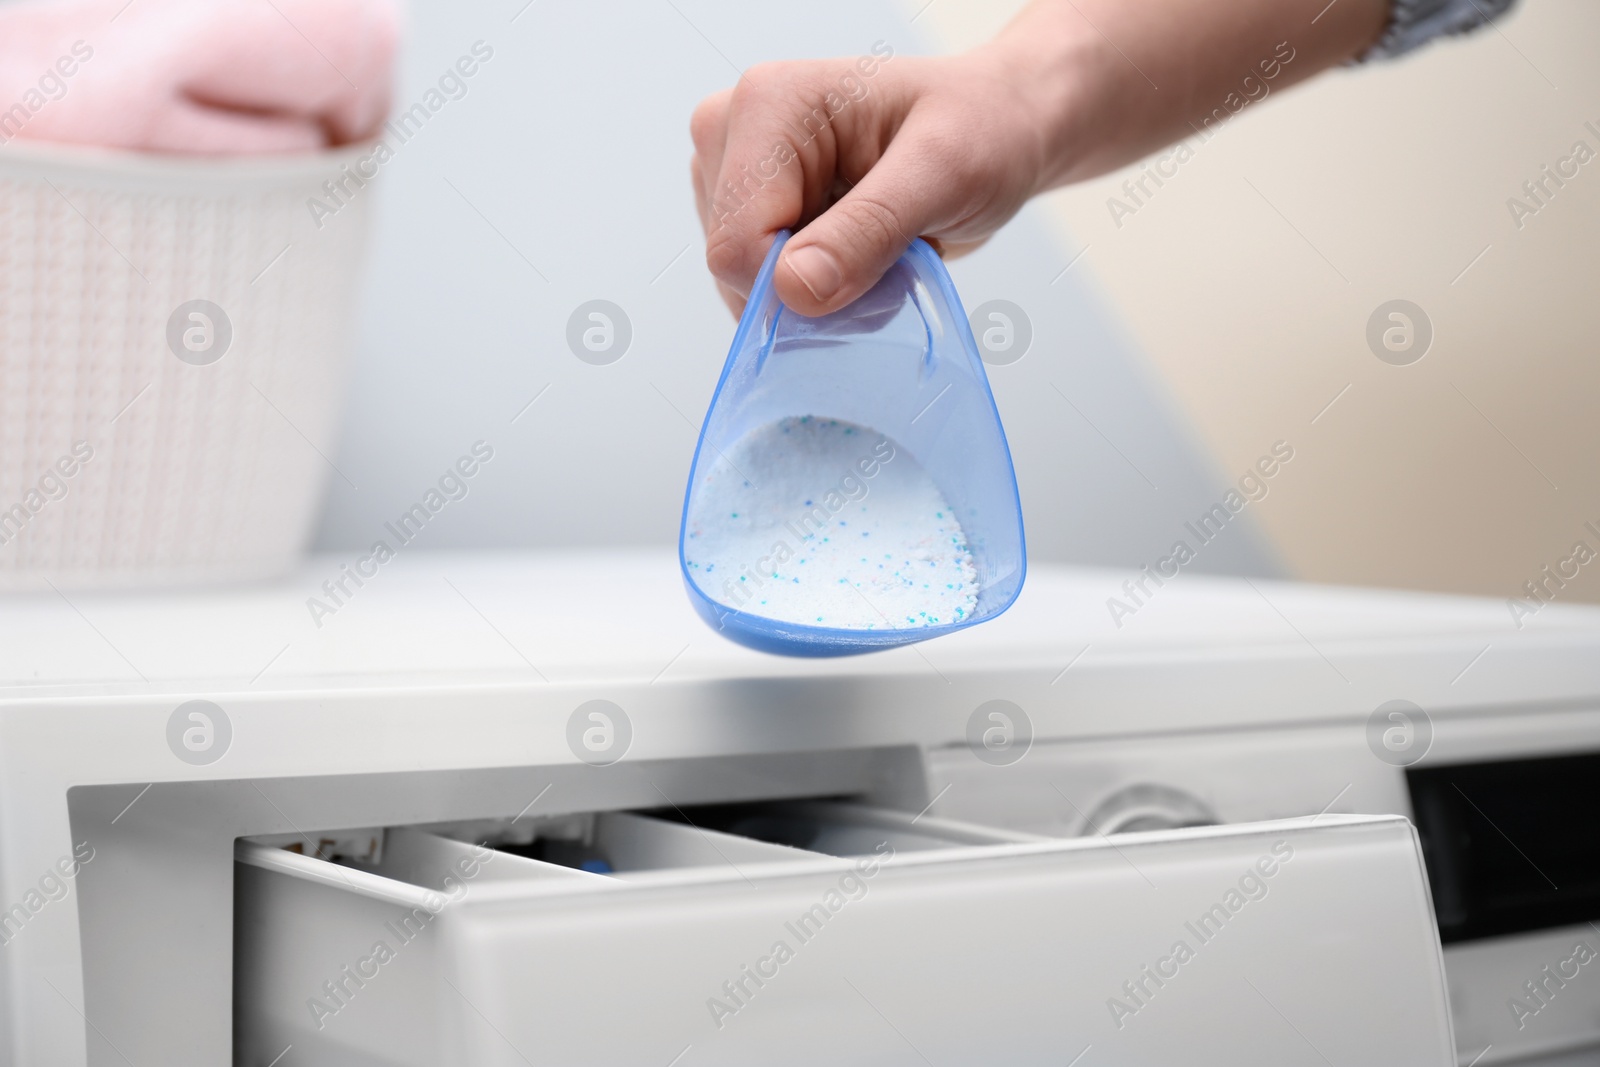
{"points": [[563, 177]]}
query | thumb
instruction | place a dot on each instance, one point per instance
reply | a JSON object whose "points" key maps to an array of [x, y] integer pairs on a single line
{"points": [[844, 251]]}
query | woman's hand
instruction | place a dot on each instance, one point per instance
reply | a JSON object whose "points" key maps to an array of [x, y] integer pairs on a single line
{"points": [[201, 77], [862, 155], [866, 154]]}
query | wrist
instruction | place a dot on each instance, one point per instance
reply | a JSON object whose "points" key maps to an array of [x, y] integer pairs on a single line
{"points": [[1068, 84]]}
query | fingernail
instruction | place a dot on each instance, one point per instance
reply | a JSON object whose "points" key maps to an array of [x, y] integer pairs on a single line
{"points": [[817, 270]]}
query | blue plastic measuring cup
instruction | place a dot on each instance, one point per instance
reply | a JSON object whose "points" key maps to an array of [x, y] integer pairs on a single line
{"points": [[900, 360]]}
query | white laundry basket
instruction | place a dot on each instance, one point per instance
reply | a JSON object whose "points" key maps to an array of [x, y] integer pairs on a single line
{"points": [[146, 438]]}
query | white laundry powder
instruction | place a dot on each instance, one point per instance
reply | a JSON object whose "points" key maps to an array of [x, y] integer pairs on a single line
{"points": [[826, 523]]}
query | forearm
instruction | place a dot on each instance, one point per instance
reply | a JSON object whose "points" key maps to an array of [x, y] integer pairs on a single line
{"points": [[1113, 80]]}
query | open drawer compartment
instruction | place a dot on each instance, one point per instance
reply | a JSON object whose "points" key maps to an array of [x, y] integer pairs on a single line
{"points": [[1299, 941], [837, 828]]}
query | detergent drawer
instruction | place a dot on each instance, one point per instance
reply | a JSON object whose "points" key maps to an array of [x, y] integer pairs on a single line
{"points": [[738, 939]]}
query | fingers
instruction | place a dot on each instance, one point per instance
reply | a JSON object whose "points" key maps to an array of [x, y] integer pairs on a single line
{"points": [[733, 299], [697, 187], [864, 169], [920, 185], [777, 160], [708, 127]]}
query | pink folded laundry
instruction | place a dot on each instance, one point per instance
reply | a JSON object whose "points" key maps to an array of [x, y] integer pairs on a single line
{"points": [[198, 77]]}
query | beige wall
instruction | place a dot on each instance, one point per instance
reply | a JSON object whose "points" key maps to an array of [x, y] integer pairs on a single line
{"points": [[1468, 470]]}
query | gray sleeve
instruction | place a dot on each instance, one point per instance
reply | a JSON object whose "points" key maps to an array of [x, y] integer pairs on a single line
{"points": [[1413, 23]]}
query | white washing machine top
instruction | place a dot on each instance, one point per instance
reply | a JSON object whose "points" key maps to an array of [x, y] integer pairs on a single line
{"points": [[1197, 649]]}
